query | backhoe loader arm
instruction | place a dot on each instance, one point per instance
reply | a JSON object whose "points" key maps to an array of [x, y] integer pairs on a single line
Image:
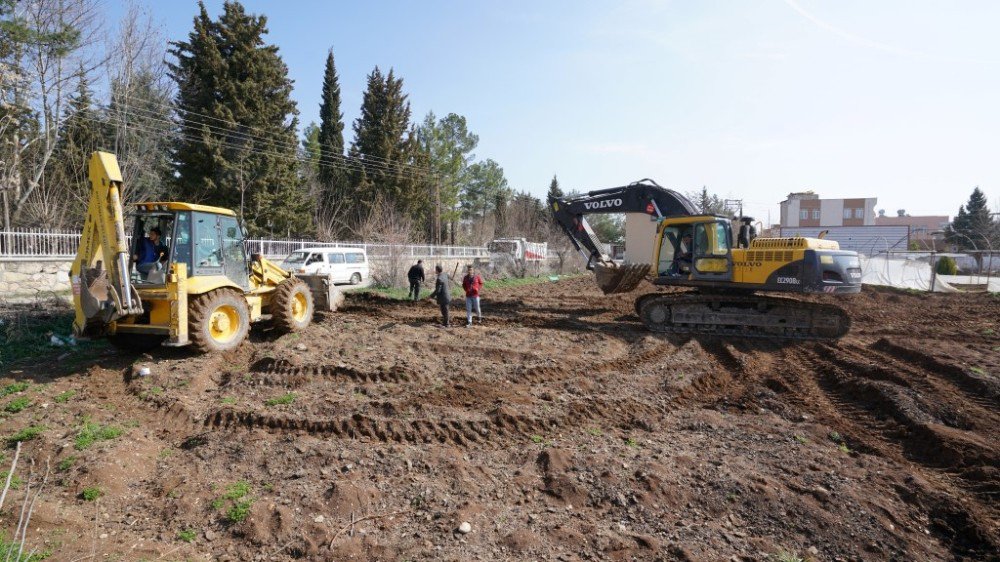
{"points": [[102, 292], [643, 196]]}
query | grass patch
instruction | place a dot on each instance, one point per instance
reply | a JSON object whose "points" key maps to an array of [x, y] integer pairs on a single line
{"points": [[801, 439], [66, 463], [12, 546], [786, 557], [15, 481], [596, 432], [228, 400], [64, 397], [239, 510], [237, 497], [284, 399], [91, 493], [631, 443], [26, 434], [91, 433], [13, 388], [17, 404], [978, 371], [187, 535], [26, 334]]}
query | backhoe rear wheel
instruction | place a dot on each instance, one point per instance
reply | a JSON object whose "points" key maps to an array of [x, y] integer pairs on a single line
{"points": [[292, 305], [218, 320]]}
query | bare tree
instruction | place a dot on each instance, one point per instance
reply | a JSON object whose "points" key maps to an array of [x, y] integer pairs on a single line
{"points": [[139, 112], [59, 40], [392, 231]]}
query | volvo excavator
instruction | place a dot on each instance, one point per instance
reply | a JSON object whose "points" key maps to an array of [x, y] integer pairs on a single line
{"points": [[696, 251], [189, 282]]}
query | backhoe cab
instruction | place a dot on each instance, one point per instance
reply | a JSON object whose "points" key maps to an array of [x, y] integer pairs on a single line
{"points": [[185, 278]]}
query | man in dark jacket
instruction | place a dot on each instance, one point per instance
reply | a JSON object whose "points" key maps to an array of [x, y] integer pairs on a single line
{"points": [[442, 292], [416, 277]]}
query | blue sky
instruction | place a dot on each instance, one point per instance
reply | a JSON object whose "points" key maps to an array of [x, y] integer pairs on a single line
{"points": [[896, 99]]}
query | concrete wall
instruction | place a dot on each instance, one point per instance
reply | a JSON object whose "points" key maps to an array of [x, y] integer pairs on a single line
{"points": [[32, 280]]}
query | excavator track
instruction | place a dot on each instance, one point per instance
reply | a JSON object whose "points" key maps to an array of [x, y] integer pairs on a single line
{"points": [[743, 316]]}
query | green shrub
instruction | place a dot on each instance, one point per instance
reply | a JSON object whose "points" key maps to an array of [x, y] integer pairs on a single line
{"points": [[946, 266], [187, 535], [91, 493], [64, 396]]}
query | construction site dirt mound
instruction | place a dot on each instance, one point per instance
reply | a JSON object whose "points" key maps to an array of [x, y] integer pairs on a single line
{"points": [[558, 428]]}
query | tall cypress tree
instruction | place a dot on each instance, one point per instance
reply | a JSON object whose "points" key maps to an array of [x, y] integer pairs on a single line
{"points": [[385, 147], [238, 121], [331, 134]]}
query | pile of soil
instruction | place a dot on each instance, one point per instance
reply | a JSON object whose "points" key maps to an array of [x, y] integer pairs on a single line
{"points": [[558, 429]]}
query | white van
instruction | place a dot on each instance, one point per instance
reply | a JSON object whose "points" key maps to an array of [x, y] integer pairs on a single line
{"points": [[347, 265]]}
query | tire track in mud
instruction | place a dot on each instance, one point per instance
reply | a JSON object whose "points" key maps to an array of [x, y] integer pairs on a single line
{"points": [[281, 372], [878, 417], [630, 359], [500, 423], [981, 390]]}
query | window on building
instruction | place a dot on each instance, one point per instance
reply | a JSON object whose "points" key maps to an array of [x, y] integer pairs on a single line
{"points": [[859, 213], [847, 213], [804, 214], [815, 214]]}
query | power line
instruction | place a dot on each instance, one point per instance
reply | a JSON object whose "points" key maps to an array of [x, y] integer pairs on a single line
{"points": [[229, 123], [153, 129], [332, 160]]}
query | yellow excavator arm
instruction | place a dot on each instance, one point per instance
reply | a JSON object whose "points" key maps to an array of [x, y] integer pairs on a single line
{"points": [[102, 292]]}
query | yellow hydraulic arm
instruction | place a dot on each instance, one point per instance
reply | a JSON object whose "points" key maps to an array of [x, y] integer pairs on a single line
{"points": [[102, 292]]}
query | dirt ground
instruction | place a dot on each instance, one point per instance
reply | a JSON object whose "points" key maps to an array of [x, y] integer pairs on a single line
{"points": [[559, 429]]}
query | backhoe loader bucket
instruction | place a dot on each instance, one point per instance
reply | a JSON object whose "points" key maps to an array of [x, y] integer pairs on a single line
{"points": [[613, 278]]}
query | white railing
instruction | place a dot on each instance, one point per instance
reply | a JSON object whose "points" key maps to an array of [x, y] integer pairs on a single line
{"points": [[27, 243], [38, 243]]}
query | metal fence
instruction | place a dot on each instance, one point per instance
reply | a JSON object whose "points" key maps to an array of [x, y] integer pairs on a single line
{"points": [[28, 243]]}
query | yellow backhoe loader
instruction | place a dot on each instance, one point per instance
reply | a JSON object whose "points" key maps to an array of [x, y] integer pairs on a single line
{"points": [[185, 279]]}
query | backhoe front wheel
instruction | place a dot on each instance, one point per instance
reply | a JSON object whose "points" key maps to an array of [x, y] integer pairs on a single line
{"points": [[218, 320], [292, 305]]}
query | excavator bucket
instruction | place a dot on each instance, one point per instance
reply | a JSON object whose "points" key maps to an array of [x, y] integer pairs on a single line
{"points": [[613, 278]]}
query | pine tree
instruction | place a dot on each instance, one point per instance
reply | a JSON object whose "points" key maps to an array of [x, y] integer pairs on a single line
{"points": [[555, 192], [332, 172], [238, 121], [974, 227], [385, 149]]}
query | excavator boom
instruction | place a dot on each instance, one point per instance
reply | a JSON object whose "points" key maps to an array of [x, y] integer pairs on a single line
{"points": [[102, 292], [643, 196]]}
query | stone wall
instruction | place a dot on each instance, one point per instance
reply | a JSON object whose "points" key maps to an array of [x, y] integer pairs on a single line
{"points": [[30, 280]]}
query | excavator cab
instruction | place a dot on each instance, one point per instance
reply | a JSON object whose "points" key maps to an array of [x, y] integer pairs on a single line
{"points": [[695, 248]]}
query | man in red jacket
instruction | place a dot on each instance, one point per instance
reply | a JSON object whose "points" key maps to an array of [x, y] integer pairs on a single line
{"points": [[472, 283]]}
